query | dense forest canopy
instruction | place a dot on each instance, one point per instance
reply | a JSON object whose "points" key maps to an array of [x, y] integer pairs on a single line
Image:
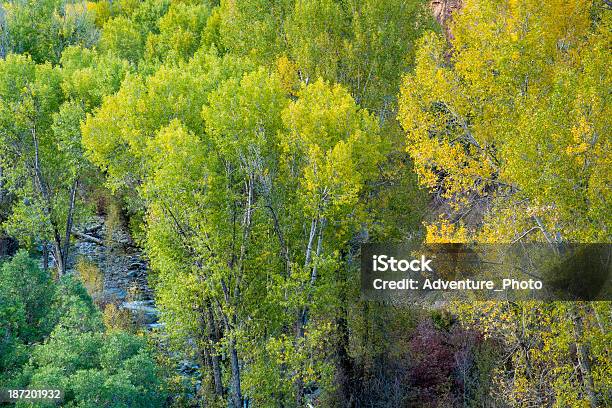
{"points": [[250, 147]]}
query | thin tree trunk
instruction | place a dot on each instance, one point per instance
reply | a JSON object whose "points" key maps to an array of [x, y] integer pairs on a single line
{"points": [[583, 356], [313, 274], [299, 382], [88, 238], [214, 339], [205, 358], [235, 362], [600, 325], [207, 347], [237, 395], [311, 237], [39, 179], [303, 316], [213, 330], [238, 267], [45, 255], [69, 222], [281, 239], [346, 364], [58, 255]]}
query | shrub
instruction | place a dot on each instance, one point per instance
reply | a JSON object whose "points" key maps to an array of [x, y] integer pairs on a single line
{"points": [[117, 319], [91, 276]]}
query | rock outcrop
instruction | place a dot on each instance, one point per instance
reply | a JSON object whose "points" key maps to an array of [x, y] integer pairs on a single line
{"points": [[123, 266]]}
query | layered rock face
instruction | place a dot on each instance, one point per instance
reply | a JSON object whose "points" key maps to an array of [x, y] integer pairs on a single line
{"points": [[122, 265]]}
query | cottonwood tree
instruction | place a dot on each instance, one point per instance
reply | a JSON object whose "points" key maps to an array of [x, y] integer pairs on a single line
{"points": [[249, 198], [332, 149], [43, 29], [508, 122], [41, 157], [147, 113]]}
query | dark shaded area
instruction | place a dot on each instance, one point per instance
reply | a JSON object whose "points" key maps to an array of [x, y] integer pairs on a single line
{"points": [[8, 246], [416, 359]]}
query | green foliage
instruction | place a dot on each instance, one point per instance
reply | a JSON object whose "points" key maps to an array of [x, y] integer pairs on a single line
{"points": [[148, 14], [30, 291], [315, 33], [43, 28], [40, 154], [31, 306], [365, 45], [122, 38], [94, 368], [26, 295], [116, 136], [263, 40], [382, 47], [308, 157], [73, 307], [12, 318], [249, 205], [89, 76], [512, 113], [180, 31], [252, 147], [477, 120]]}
